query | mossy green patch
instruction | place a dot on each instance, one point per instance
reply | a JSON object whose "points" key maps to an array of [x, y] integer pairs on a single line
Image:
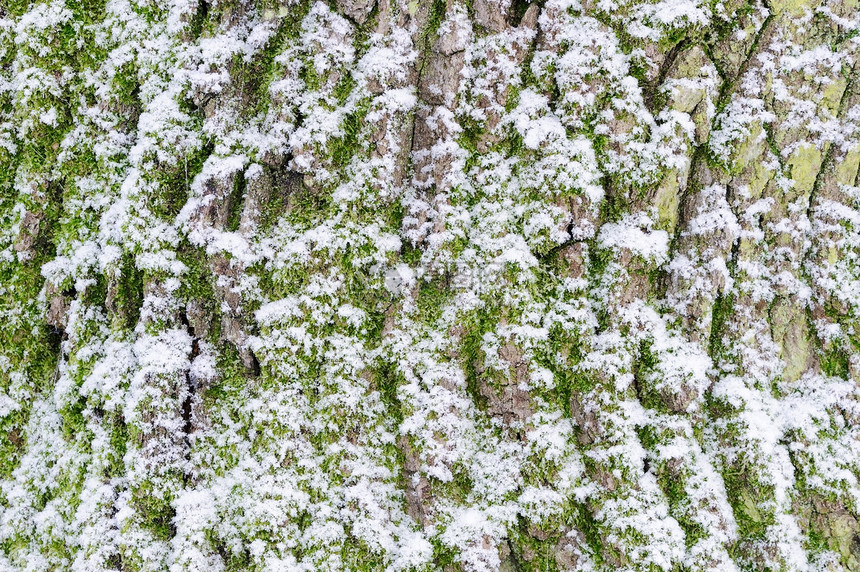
{"points": [[126, 303], [836, 362], [343, 148], [433, 295], [155, 510]]}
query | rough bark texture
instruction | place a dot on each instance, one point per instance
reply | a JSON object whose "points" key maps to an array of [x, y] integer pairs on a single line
{"points": [[429, 285]]}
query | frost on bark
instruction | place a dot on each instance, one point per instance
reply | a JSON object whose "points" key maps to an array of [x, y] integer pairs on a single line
{"points": [[429, 285]]}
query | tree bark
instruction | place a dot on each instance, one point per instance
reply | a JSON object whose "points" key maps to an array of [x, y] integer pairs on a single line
{"points": [[429, 285]]}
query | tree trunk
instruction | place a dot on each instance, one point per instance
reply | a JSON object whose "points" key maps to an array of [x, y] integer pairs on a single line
{"points": [[429, 285]]}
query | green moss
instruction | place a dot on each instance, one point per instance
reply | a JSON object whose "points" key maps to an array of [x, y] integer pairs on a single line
{"points": [[433, 295], [512, 144], [434, 20], [723, 308], [128, 299], [155, 510], [541, 553], [468, 139], [357, 556], [16, 8], [816, 541], [127, 83], [639, 70], [27, 344], [836, 362], [232, 379], [748, 497], [344, 88], [444, 557], [598, 259], [253, 78], [174, 181], [74, 422], [342, 149], [613, 206], [569, 384], [198, 20], [236, 560], [585, 522], [673, 486], [118, 445], [236, 203]]}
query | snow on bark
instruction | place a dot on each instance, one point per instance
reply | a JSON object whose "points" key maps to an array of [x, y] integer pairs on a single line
{"points": [[429, 285]]}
